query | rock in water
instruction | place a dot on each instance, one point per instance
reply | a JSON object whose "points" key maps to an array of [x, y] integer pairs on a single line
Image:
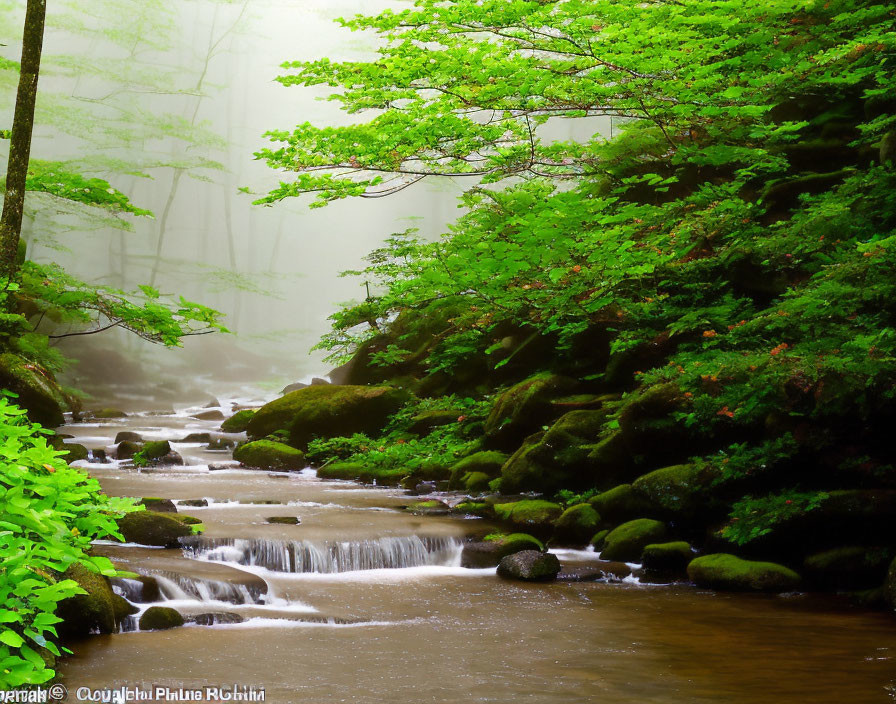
{"points": [[151, 528], [209, 415], [129, 436], [489, 553], [160, 618], [729, 572], [158, 505], [238, 422], [530, 566], [87, 613], [626, 542], [284, 520], [327, 411], [267, 454]]}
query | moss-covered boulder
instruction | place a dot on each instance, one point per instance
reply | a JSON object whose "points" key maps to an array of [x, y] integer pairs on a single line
{"points": [[327, 411], [87, 613], [344, 470], [851, 567], [667, 557], [128, 435], [108, 413], [524, 408], [151, 528], [160, 618], [620, 504], [612, 461], [536, 515], [729, 572], [155, 449], [473, 508], [557, 458], [529, 566], [238, 422], [650, 429], [430, 507], [284, 520], [599, 539], [127, 449], [676, 493], [486, 462], [37, 390], [267, 454], [425, 422], [490, 551], [626, 542], [576, 525], [476, 482], [122, 608]]}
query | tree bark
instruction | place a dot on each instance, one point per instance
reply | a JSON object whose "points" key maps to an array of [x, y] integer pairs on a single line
{"points": [[20, 143]]}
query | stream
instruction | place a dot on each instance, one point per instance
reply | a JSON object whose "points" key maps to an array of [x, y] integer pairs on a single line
{"points": [[363, 602]]}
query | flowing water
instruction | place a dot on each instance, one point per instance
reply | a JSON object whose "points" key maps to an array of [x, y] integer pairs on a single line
{"points": [[363, 602]]}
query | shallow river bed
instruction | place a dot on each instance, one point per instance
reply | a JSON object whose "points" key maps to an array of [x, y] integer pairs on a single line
{"points": [[362, 602]]}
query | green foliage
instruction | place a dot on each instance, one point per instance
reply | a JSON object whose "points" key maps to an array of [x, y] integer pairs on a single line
{"points": [[752, 518], [49, 514], [54, 178], [397, 449]]}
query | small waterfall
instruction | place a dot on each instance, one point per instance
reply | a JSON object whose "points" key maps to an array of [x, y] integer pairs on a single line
{"points": [[328, 557], [175, 587]]}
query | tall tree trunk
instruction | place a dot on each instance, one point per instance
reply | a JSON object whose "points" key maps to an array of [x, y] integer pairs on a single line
{"points": [[20, 143]]}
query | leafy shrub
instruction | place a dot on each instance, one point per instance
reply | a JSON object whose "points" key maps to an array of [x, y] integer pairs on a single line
{"points": [[49, 514]]}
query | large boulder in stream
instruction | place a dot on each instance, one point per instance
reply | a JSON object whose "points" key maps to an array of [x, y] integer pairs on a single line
{"points": [[625, 543], [37, 390], [160, 618], [524, 408], [268, 454], [530, 566], [576, 525], [91, 612], [152, 528], [327, 411], [729, 572], [490, 552], [238, 422]]}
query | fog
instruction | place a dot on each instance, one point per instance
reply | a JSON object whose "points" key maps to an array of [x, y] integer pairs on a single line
{"points": [[183, 92]]}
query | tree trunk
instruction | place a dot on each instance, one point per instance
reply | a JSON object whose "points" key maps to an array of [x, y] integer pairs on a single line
{"points": [[20, 143]]}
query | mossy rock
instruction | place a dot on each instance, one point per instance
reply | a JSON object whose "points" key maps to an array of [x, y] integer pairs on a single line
{"points": [[122, 608], [851, 567], [127, 449], [611, 460], [487, 462], [87, 613], [599, 539], [729, 572], [529, 566], [524, 408], [344, 470], [326, 412], [188, 520], [151, 528], [429, 507], [265, 454], [535, 514], [490, 551], [238, 422], [677, 493], [427, 421], [128, 435], [155, 449], [649, 427], [620, 504], [625, 543], [109, 414], [667, 557], [473, 508], [557, 458], [37, 390], [160, 618], [284, 520], [576, 525], [476, 482], [74, 451]]}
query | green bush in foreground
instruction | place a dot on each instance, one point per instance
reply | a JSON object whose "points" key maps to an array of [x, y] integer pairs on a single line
{"points": [[49, 514]]}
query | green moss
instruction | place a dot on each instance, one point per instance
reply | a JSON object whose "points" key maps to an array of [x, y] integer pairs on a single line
{"points": [[356, 471], [327, 411], [619, 504], [155, 449], [266, 454], [151, 528], [238, 422], [576, 524], [524, 407], [109, 413], [37, 390], [667, 557], [427, 421], [599, 539], [475, 482], [531, 512], [729, 572], [86, 613], [127, 449], [428, 506], [514, 542], [487, 462], [76, 452], [850, 567], [473, 508], [626, 542], [611, 461], [673, 492], [160, 618]]}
